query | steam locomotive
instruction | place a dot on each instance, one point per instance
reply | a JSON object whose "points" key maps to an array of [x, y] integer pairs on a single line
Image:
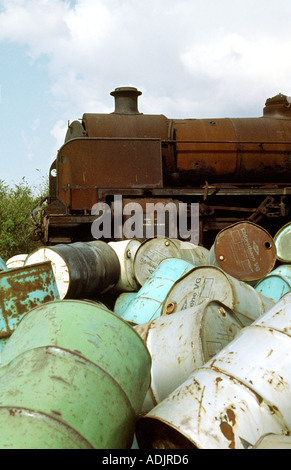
{"points": [[235, 169]]}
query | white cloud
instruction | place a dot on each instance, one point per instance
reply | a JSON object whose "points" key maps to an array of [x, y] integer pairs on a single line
{"points": [[33, 23], [241, 72], [190, 59], [237, 59]]}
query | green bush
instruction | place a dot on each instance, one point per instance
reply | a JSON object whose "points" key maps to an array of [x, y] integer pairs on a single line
{"points": [[15, 224]]}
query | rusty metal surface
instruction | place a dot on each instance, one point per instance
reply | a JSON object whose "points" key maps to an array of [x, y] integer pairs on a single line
{"points": [[22, 289], [278, 106], [249, 149], [130, 126], [206, 158], [126, 100], [244, 250], [208, 412], [84, 165]]}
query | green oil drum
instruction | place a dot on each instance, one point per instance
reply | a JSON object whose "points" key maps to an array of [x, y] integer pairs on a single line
{"points": [[81, 364], [19, 424], [71, 389]]}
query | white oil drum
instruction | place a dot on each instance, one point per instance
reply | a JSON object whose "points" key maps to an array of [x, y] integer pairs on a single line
{"points": [[182, 342], [16, 261], [205, 283], [152, 251], [126, 250], [282, 241], [238, 396]]}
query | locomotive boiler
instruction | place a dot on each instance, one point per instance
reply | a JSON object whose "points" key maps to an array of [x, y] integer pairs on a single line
{"points": [[235, 169]]}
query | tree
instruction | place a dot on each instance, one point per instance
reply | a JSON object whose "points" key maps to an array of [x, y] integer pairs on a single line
{"points": [[15, 224]]}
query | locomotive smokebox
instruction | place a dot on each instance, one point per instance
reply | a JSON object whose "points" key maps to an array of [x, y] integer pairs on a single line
{"points": [[126, 100]]}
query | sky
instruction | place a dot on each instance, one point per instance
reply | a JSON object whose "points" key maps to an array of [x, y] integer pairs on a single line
{"points": [[60, 59]]}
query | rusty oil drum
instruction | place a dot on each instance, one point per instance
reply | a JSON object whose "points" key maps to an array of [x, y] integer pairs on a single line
{"points": [[244, 250], [82, 367], [22, 289], [82, 269], [182, 342], [205, 283], [235, 398]]}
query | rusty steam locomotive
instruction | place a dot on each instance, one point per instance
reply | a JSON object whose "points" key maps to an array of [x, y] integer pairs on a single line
{"points": [[235, 169]]}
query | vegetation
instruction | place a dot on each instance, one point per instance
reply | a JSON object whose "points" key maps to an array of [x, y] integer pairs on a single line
{"points": [[16, 204]]}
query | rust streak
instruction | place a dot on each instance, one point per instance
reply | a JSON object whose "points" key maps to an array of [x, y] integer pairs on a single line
{"points": [[200, 408], [227, 431], [231, 416], [59, 378]]}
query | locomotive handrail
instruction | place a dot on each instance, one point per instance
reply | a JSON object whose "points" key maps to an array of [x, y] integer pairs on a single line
{"points": [[275, 142], [171, 141]]}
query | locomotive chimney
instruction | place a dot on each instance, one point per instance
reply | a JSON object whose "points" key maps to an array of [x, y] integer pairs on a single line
{"points": [[279, 107], [126, 100]]}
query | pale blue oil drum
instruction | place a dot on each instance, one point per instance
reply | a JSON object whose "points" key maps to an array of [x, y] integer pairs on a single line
{"points": [[122, 302], [147, 303], [3, 266], [277, 283], [285, 271]]}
